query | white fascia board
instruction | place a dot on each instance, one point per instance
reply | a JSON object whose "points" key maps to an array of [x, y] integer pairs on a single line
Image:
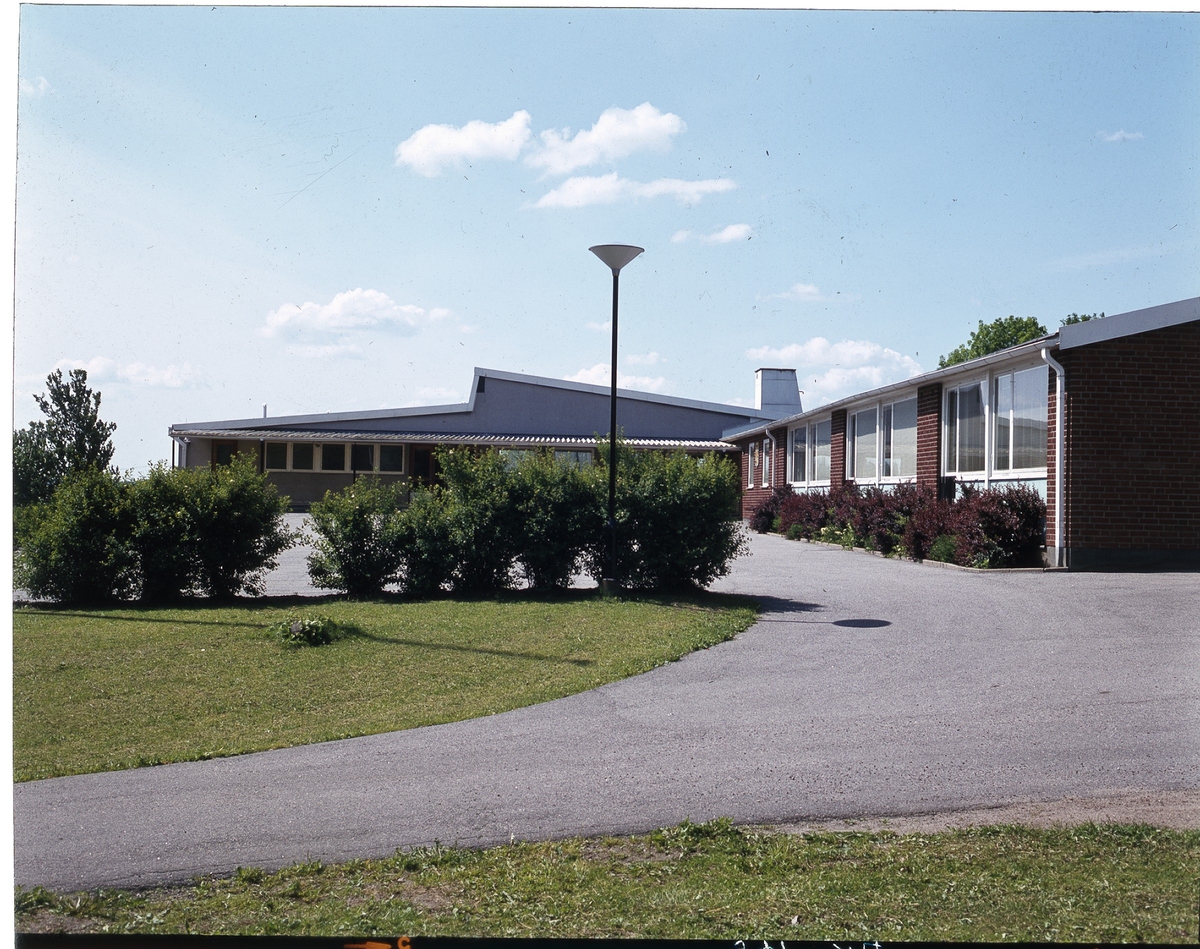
{"points": [[1014, 354], [1129, 324], [622, 393]]}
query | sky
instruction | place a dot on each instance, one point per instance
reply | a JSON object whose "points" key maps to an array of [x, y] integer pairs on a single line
{"points": [[331, 209]]}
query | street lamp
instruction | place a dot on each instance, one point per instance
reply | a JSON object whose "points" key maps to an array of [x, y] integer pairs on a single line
{"points": [[614, 256]]}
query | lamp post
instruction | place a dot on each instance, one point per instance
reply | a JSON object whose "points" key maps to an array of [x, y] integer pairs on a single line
{"points": [[614, 256]]}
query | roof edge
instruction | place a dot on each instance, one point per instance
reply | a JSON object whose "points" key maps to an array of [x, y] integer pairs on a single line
{"points": [[1129, 324]]}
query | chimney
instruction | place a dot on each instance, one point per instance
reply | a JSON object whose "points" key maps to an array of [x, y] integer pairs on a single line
{"points": [[777, 392]]}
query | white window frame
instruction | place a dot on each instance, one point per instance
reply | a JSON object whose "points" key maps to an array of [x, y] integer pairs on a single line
{"points": [[896, 479], [989, 473], [810, 453], [985, 384], [852, 442], [767, 462], [791, 454], [1012, 473]]}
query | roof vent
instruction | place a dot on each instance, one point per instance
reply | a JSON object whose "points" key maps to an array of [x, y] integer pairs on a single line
{"points": [[777, 392]]}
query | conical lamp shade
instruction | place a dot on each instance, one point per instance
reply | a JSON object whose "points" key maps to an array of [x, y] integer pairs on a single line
{"points": [[616, 256]]}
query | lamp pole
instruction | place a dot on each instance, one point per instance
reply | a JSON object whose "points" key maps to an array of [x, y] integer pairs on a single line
{"points": [[614, 256]]}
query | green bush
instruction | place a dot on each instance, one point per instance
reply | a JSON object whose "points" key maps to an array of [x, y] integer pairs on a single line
{"points": [[944, 549], [75, 548], [557, 509], [483, 518], [358, 547], [425, 546], [163, 530], [316, 630], [677, 519]]}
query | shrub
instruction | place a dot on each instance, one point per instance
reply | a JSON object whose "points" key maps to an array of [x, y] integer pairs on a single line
{"points": [[557, 509], [358, 544], [316, 630], [803, 515], [676, 516], [1001, 527], [164, 530], [944, 549], [483, 518], [767, 514], [75, 548], [426, 549], [929, 520]]}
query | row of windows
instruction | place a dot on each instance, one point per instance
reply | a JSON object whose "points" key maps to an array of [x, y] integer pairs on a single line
{"points": [[881, 440], [388, 458]]}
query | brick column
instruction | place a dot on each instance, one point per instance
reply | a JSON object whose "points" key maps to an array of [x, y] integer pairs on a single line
{"points": [[929, 434], [837, 448]]}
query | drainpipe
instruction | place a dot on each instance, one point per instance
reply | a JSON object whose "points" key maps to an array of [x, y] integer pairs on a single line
{"points": [[1060, 501], [771, 479], [182, 443]]}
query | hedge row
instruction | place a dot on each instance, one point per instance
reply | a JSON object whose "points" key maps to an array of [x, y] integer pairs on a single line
{"points": [[494, 523], [996, 527], [176, 532]]}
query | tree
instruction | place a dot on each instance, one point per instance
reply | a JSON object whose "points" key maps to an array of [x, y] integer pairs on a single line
{"points": [[72, 439], [1082, 318], [992, 337]]}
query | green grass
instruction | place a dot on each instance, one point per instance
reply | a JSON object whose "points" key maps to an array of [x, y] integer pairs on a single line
{"points": [[1083, 884], [100, 690]]}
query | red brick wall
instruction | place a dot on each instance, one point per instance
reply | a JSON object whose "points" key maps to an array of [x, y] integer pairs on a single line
{"points": [[929, 434], [754, 494], [837, 448], [1132, 463]]}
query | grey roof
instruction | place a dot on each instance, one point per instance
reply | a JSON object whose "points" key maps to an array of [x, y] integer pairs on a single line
{"points": [[1129, 324], [565, 443]]}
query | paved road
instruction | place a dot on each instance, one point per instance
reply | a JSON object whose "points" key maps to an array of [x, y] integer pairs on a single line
{"points": [[869, 687]]}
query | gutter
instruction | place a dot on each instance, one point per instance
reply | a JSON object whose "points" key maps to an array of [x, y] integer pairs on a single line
{"points": [[1060, 501]]}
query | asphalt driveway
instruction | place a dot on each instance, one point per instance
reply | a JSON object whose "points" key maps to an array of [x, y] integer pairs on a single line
{"points": [[870, 687]]}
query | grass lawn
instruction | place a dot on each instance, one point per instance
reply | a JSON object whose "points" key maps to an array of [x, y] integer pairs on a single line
{"points": [[100, 690], [1083, 884]]}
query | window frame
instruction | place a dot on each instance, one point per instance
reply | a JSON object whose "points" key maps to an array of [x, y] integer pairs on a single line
{"points": [[810, 453], [1013, 471]]}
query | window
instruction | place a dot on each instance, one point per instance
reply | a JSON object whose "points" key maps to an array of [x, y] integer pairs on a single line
{"points": [[1020, 413], [333, 457], [512, 456], [821, 439], [964, 429], [362, 457], [302, 457], [275, 455], [900, 439], [573, 459], [753, 463], [864, 452], [391, 457], [798, 453], [766, 465], [223, 452]]}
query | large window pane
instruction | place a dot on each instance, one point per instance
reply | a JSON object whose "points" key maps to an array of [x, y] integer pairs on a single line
{"points": [[970, 428], [900, 439], [1002, 412], [391, 457], [333, 457], [821, 438], [275, 455], [362, 457], [799, 453], [1029, 417], [302, 457], [865, 428]]}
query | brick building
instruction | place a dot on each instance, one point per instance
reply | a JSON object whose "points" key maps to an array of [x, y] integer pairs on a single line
{"points": [[1129, 446]]}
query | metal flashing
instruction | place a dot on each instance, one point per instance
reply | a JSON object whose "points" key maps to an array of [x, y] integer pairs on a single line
{"points": [[1129, 324]]}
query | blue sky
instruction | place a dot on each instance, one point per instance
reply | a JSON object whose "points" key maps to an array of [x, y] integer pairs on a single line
{"points": [[326, 209]]}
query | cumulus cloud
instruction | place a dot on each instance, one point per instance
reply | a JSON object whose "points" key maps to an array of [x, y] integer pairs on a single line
{"points": [[101, 369], [430, 149], [601, 373], [35, 88], [351, 310], [829, 371], [1120, 136], [725, 235], [616, 134], [609, 189]]}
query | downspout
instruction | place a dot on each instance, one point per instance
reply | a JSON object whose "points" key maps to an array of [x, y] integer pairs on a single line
{"points": [[1060, 501], [182, 442], [771, 479]]}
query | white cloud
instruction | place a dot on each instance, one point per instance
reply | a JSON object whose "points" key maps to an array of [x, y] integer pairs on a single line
{"points": [[101, 369], [725, 235], [601, 373], [649, 359], [828, 371], [351, 310], [609, 189], [37, 88], [616, 134], [428, 150], [1120, 136], [804, 292]]}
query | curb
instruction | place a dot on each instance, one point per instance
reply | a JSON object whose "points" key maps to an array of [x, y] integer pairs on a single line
{"points": [[922, 563]]}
